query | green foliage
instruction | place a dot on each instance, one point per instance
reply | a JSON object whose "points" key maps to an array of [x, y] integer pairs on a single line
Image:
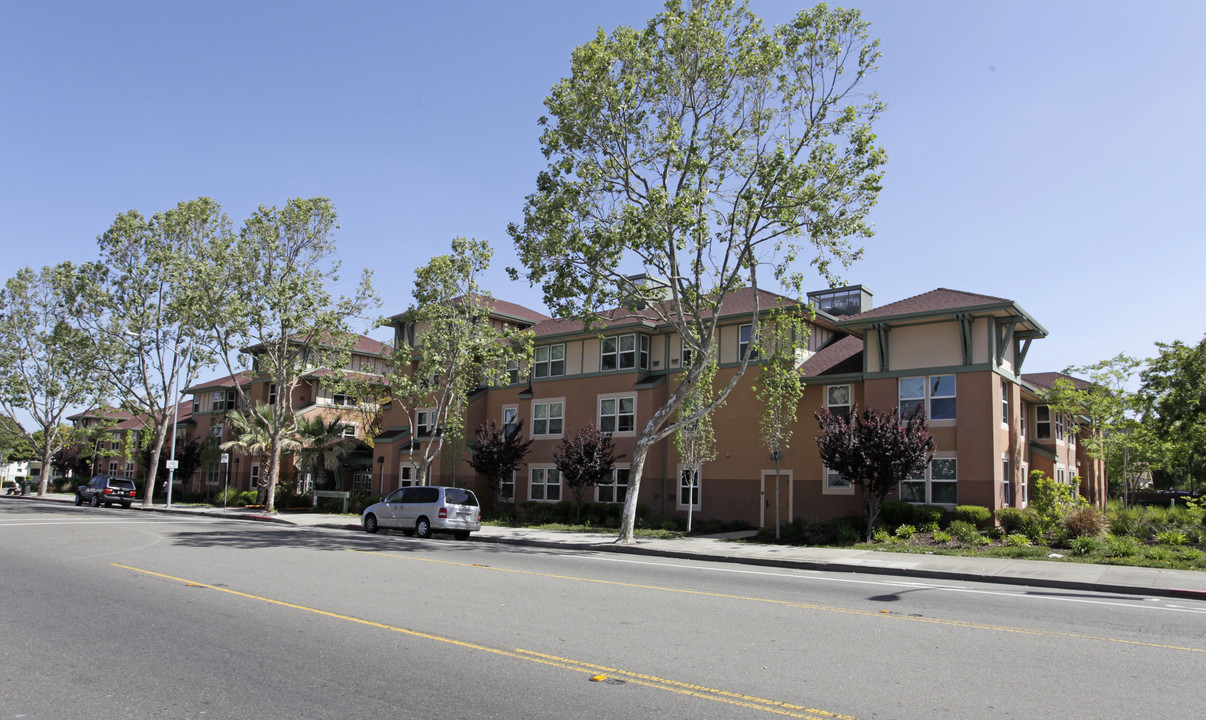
{"points": [[1052, 500], [1173, 393], [942, 536], [905, 532], [1085, 522], [1084, 545], [930, 527], [974, 514], [321, 447], [881, 535], [966, 533], [1017, 540], [780, 382], [1171, 537], [895, 512], [924, 515], [1025, 521], [1123, 547]]}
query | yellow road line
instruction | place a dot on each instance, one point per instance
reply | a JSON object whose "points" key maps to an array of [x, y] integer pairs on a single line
{"points": [[806, 606], [681, 688]]}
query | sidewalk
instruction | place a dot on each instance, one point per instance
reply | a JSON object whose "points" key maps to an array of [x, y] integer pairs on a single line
{"points": [[1034, 573]]}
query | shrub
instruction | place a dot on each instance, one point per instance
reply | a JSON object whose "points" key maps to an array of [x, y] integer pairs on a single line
{"points": [[847, 535], [906, 532], [930, 527], [1171, 537], [1052, 500], [1016, 520], [1126, 521], [881, 535], [975, 514], [966, 533], [1017, 540], [1084, 545], [1121, 546], [895, 512], [942, 536], [1085, 522], [924, 515]]}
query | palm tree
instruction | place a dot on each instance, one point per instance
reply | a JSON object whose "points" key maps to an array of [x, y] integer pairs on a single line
{"points": [[322, 446], [252, 437]]}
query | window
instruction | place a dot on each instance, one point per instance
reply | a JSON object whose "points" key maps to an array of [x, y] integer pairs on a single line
{"points": [[643, 358], [225, 400], [937, 486], [621, 352], [744, 336], [255, 476], [1005, 481], [113, 469], [547, 417], [129, 469], [548, 361], [837, 399], [834, 482], [688, 488], [343, 400], [1042, 422], [545, 484], [348, 431], [422, 427], [272, 393], [1004, 402], [615, 491], [506, 487], [362, 482], [1059, 427], [215, 434], [196, 406], [114, 441], [512, 371], [935, 395], [1060, 476], [686, 354], [510, 418], [617, 415]]}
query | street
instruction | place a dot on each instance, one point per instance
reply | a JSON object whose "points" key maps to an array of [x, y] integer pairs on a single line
{"points": [[118, 613]]}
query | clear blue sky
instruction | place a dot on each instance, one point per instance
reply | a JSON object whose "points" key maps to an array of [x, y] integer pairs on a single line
{"points": [[1046, 152]]}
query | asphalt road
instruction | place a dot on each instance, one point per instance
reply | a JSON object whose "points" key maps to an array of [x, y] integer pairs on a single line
{"points": [[120, 614]]}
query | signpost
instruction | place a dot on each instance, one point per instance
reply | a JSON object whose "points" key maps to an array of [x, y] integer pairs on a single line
{"points": [[226, 493]]}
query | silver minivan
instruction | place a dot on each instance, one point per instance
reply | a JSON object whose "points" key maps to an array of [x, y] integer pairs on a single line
{"points": [[423, 509]]}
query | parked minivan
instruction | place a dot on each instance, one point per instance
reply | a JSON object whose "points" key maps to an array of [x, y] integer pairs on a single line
{"points": [[423, 509]]}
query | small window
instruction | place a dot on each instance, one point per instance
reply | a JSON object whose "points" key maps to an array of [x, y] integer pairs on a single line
{"points": [[545, 485], [617, 415], [548, 361], [272, 393], [835, 481], [745, 338], [1004, 402], [343, 400], [510, 419], [506, 488], [547, 418], [689, 483], [422, 427], [615, 491], [934, 395], [837, 399], [348, 431], [1042, 422]]}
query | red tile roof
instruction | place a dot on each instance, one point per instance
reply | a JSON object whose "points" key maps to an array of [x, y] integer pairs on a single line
{"points": [[1046, 380], [839, 358], [241, 378], [938, 300]]}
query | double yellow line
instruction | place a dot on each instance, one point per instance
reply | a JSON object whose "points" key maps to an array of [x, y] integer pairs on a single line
{"points": [[681, 688]]}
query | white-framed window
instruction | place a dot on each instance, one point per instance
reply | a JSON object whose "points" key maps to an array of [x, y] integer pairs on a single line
{"points": [[689, 487], [643, 352], [271, 393], [362, 482], [1059, 427], [617, 414], [1006, 481], [938, 485], [1042, 422], [1023, 486], [745, 337], [838, 400], [114, 441], [836, 484], [1004, 403], [934, 394], [547, 418], [615, 491], [548, 361], [510, 418], [129, 469], [255, 476], [1061, 475], [544, 484], [506, 487], [348, 431], [215, 434], [343, 400], [422, 423], [196, 406], [405, 478], [512, 371], [685, 354], [225, 400]]}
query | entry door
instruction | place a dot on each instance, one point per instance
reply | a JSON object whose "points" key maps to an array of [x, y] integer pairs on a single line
{"points": [[768, 498]]}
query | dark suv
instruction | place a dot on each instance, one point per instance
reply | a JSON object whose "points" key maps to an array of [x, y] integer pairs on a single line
{"points": [[107, 490]]}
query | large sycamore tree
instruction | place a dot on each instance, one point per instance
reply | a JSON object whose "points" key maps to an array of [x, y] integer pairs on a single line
{"points": [[451, 348], [1173, 394], [47, 365], [141, 308], [779, 387], [711, 153], [269, 306]]}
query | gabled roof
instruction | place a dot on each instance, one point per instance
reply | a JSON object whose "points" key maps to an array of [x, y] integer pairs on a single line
{"points": [[839, 358], [1046, 380], [364, 344], [502, 309], [229, 381], [943, 302]]}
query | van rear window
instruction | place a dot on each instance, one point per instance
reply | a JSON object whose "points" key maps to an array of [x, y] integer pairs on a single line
{"points": [[459, 496]]}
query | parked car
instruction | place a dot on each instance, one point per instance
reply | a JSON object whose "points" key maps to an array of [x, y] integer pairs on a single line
{"points": [[423, 509], [107, 490]]}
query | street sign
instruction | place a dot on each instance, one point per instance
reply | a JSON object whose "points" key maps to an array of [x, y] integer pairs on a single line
{"points": [[173, 464], [225, 458]]}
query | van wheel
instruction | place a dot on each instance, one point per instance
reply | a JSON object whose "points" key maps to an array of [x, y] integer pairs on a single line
{"points": [[95, 501], [461, 534], [423, 528], [370, 523]]}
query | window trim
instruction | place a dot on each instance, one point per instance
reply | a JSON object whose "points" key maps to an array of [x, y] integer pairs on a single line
{"points": [[927, 397], [545, 469], [698, 489], [743, 346], [849, 400], [1040, 425], [614, 486], [929, 481], [547, 403], [549, 362], [617, 398], [827, 489]]}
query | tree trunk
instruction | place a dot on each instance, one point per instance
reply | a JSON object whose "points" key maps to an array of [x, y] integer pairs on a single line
{"points": [[153, 470], [628, 519], [274, 470], [46, 470]]}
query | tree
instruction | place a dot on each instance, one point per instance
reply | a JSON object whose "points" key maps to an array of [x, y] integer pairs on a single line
{"points": [[266, 302], [323, 447], [1104, 405], [139, 306], [702, 149], [189, 456], [253, 436], [456, 350], [73, 459], [496, 452], [695, 439], [1173, 392], [779, 388], [876, 451], [585, 460], [47, 366], [14, 445]]}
